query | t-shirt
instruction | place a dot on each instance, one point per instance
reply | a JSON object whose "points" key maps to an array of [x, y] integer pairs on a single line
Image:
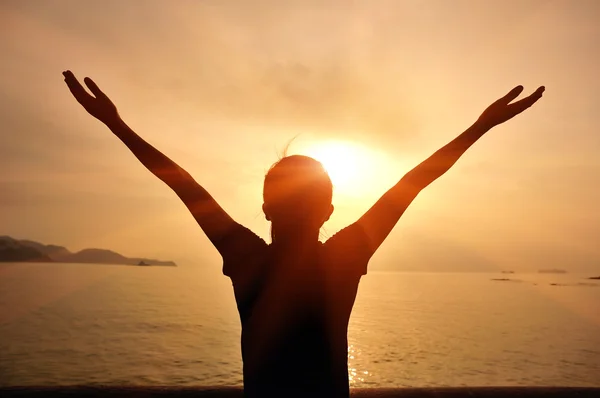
{"points": [[294, 309]]}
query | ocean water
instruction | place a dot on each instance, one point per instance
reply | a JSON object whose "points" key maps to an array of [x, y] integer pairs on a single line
{"points": [[66, 324]]}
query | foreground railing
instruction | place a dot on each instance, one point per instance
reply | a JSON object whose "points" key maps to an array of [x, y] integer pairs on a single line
{"points": [[231, 392]]}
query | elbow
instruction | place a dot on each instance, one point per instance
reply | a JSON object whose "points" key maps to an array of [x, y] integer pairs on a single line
{"points": [[413, 184], [177, 180]]}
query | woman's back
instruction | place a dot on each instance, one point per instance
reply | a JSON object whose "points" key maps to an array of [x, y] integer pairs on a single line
{"points": [[295, 304]]}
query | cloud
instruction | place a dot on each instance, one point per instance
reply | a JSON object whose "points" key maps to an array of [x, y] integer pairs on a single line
{"points": [[249, 64]]}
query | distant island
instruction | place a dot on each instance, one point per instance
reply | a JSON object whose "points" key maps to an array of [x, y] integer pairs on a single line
{"points": [[552, 271], [505, 280], [16, 250]]}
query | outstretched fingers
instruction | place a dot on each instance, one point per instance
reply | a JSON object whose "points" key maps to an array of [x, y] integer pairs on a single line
{"points": [[512, 94], [521, 105], [75, 87], [93, 87]]}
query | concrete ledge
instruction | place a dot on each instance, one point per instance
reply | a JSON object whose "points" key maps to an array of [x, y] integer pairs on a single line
{"points": [[232, 392]]}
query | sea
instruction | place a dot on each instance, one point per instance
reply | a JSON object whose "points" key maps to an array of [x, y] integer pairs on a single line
{"points": [[91, 324]]}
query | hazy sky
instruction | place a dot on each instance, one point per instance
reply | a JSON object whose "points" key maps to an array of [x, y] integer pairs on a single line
{"points": [[221, 87]]}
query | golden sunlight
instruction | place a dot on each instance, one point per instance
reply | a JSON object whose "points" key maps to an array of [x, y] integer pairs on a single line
{"points": [[354, 169], [340, 160]]}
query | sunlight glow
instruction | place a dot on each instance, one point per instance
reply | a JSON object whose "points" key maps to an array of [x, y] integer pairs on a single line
{"points": [[340, 160], [354, 169]]}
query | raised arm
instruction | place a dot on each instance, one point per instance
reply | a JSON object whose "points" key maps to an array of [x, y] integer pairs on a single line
{"points": [[213, 220], [379, 220]]}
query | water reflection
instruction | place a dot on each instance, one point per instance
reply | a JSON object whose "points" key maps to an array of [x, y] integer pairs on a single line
{"points": [[355, 375]]}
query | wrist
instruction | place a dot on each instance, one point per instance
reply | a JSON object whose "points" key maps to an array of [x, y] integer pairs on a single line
{"points": [[482, 127], [113, 122]]}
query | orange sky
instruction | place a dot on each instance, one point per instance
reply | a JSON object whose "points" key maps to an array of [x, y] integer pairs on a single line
{"points": [[222, 87]]}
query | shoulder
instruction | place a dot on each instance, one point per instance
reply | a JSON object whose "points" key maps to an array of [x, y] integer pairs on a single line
{"points": [[238, 237], [239, 248], [350, 248], [351, 236]]}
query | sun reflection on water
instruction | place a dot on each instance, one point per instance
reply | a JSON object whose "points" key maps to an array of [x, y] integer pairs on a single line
{"points": [[355, 375]]}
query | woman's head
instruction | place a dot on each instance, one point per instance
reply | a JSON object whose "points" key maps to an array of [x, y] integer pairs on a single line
{"points": [[297, 193]]}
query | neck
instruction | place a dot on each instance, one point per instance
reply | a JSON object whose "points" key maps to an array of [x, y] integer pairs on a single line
{"points": [[294, 235]]}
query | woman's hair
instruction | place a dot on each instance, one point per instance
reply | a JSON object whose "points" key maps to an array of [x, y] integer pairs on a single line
{"points": [[297, 192]]}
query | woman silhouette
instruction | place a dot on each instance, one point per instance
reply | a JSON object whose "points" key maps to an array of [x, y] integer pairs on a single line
{"points": [[295, 295]]}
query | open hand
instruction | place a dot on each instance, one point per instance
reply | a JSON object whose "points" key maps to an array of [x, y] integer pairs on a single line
{"points": [[502, 110], [97, 105]]}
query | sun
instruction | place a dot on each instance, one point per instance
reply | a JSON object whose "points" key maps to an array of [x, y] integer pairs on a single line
{"points": [[340, 161], [351, 167]]}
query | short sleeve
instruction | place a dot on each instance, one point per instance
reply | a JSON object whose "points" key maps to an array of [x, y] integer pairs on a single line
{"points": [[350, 249], [240, 249]]}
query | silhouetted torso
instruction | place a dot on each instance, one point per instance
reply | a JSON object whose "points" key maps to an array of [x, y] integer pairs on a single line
{"points": [[294, 306]]}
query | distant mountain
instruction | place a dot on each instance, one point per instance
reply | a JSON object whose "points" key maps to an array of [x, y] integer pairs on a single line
{"points": [[50, 250], [14, 250]]}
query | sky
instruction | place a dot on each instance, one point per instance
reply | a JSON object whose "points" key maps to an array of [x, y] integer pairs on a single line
{"points": [[222, 88]]}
